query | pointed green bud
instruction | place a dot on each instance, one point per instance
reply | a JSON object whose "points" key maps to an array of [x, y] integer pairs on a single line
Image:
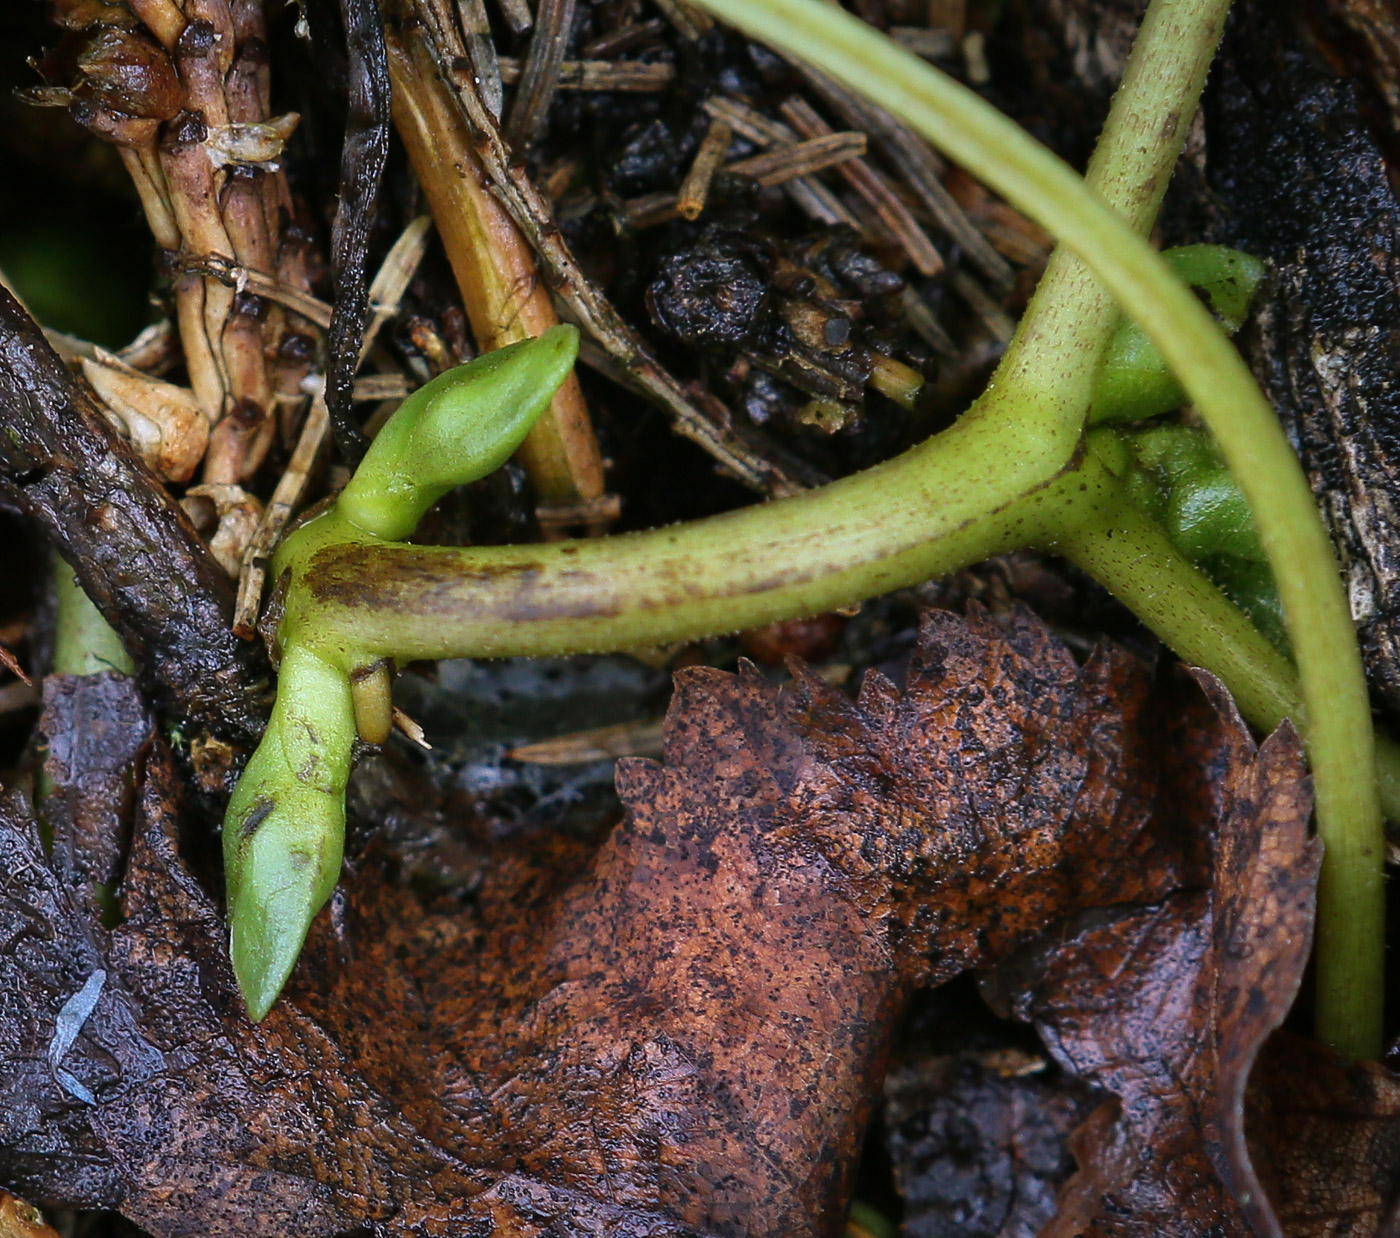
{"points": [[285, 826], [458, 428], [1134, 382]]}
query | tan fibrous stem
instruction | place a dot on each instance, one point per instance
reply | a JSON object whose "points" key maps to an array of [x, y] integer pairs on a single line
{"points": [[497, 276]]}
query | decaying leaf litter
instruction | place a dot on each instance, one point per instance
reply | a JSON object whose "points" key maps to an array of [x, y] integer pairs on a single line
{"points": [[793, 381], [589, 1066]]}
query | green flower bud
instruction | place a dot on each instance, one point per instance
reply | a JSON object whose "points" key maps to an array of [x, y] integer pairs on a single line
{"points": [[285, 825], [459, 427], [1134, 382]]}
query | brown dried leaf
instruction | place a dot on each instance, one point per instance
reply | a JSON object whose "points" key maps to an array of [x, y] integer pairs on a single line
{"points": [[162, 422], [1167, 1008], [1325, 1135], [678, 1034]]}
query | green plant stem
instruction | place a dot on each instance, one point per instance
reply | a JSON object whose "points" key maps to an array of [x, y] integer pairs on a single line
{"points": [[1070, 320], [894, 525], [1350, 922], [84, 642], [1126, 550], [1115, 541], [928, 512]]}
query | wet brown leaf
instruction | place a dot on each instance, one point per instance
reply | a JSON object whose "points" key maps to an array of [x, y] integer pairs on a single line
{"points": [[1167, 1007], [978, 1142], [1325, 1134], [677, 1033]]}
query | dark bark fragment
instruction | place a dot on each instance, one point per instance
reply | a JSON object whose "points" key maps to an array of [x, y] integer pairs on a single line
{"points": [[361, 170], [131, 547], [1295, 176]]}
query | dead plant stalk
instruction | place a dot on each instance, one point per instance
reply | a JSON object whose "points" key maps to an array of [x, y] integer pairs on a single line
{"points": [[505, 298]]}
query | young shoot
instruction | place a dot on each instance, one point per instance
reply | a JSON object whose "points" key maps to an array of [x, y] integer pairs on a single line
{"points": [[1017, 470], [285, 825]]}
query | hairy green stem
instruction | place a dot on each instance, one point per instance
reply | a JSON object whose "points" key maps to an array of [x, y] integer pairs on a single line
{"points": [[1071, 318]]}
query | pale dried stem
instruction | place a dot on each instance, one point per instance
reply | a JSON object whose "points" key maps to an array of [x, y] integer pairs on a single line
{"points": [[202, 305], [250, 200], [539, 76], [502, 292], [315, 311], [624, 38], [691, 23], [162, 17], [517, 14], [601, 743], [777, 166], [810, 196], [393, 277], [241, 439], [814, 154], [373, 387], [480, 50], [143, 165]]}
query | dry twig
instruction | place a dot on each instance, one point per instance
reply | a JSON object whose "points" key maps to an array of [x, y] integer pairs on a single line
{"points": [[539, 76], [871, 186], [621, 75]]}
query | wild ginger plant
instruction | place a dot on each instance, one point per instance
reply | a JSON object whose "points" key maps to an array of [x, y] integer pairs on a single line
{"points": [[1046, 458]]}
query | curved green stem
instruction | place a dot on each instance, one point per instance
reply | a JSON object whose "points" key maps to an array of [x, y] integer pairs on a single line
{"points": [[929, 511], [896, 524]]}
